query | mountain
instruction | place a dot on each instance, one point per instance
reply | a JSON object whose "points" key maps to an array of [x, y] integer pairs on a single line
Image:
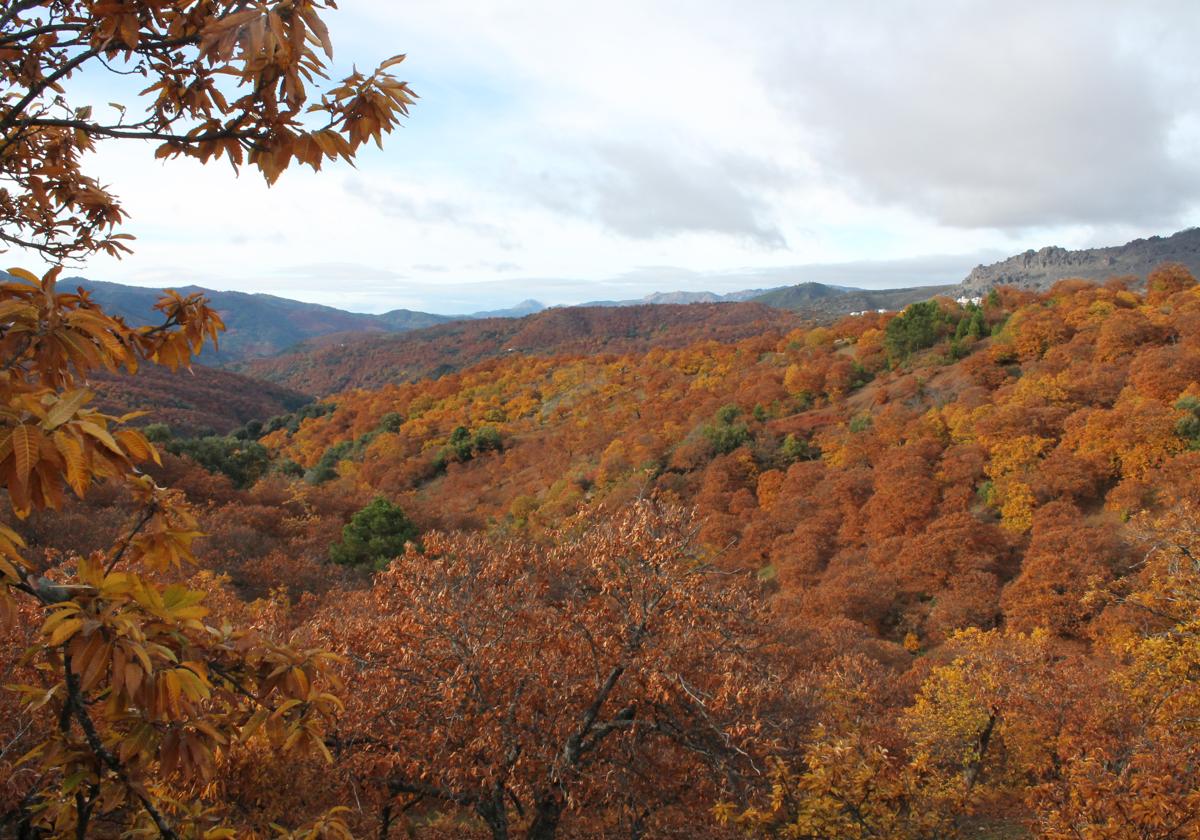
{"points": [[816, 300], [813, 300], [334, 363], [256, 324], [682, 298], [525, 307], [1038, 270]]}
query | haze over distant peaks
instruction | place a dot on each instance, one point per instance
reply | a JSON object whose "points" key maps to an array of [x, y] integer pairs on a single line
{"points": [[261, 325], [678, 297], [525, 307]]}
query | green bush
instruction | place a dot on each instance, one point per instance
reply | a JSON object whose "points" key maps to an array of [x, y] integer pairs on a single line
{"points": [[971, 325], [860, 423], [244, 462], [290, 422], [919, 326], [157, 433], [487, 439], [1188, 426], [374, 536], [391, 422], [797, 449], [326, 467], [723, 434], [460, 443]]}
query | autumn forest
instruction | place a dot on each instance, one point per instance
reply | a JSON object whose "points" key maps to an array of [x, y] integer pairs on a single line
{"points": [[715, 570]]}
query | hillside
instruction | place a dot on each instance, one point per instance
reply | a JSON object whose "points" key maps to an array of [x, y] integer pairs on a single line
{"points": [[953, 521], [817, 300], [341, 362], [256, 324], [1041, 269], [882, 472], [193, 402]]}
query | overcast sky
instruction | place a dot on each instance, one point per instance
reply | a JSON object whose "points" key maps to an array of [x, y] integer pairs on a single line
{"points": [[572, 151]]}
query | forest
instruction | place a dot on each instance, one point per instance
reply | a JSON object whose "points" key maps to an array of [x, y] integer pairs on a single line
{"points": [[707, 571], [919, 574]]}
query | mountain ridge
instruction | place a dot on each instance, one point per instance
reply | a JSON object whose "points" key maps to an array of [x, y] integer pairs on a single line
{"points": [[261, 325], [1038, 270], [332, 363]]}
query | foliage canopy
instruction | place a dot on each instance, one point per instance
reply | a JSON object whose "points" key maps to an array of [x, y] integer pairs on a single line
{"points": [[374, 536], [219, 78]]}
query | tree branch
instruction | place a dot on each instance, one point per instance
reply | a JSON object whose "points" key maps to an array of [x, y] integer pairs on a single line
{"points": [[76, 708]]}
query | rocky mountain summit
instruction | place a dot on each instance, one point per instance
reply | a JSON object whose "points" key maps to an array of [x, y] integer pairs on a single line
{"points": [[1043, 268]]}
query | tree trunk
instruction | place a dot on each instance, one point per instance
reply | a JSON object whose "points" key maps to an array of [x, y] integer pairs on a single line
{"points": [[546, 817], [496, 817], [385, 822], [971, 774]]}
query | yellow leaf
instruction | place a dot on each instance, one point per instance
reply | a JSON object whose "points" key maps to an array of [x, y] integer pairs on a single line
{"points": [[65, 631], [25, 442], [102, 435], [72, 451], [66, 407], [27, 276]]}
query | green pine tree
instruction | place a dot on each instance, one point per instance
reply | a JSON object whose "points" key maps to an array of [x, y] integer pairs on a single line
{"points": [[374, 536]]}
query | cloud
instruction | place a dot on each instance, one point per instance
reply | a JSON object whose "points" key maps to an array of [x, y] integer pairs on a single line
{"points": [[743, 144], [408, 204], [1014, 115], [931, 270], [643, 191]]}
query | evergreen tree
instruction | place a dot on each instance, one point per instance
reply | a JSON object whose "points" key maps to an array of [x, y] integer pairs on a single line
{"points": [[374, 536]]}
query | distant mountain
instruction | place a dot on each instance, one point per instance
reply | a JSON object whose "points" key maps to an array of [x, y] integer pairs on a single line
{"points": [[800, 296], [335, 363], [256, 324], [817, 300], [262, 325], [1041, 269], [682, 298], [525, 307]]}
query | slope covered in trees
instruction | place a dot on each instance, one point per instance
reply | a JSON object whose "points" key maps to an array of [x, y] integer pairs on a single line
{"points": [[197, 401], [340, 362], [937, 581], [1080, 401]]}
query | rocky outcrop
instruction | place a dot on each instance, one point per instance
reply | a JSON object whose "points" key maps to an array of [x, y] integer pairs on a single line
{"points": [[1042, 269]]}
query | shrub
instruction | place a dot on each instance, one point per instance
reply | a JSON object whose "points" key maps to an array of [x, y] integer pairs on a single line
{"points": [[244, 462], [723, 434], [919, 326], [374, 535]]}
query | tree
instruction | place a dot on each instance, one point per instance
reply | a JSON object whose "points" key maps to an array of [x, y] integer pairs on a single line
{"points": [[221, 78], [243, 462], [374, 536], [852, 777], [545, 687], [723, 434], [147, 699], [136, 704], [921, 325]]}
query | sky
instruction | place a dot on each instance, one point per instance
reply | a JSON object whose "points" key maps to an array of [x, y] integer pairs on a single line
{"points": [[575, 151]]}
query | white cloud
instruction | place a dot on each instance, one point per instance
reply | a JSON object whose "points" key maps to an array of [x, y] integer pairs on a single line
{"points": [[1015, 115], [582, 141]]}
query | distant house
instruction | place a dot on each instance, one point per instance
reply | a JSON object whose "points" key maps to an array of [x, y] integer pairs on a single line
{"points": [[964, 300]]}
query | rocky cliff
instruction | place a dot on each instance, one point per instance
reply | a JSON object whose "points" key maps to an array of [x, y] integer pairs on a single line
{"points": [[1041, 269]]}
